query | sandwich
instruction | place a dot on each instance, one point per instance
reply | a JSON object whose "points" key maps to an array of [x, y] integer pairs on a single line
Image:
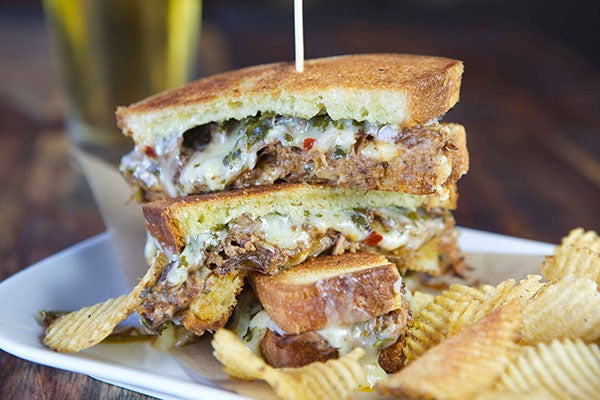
{"points": [[256, 172], [214, 241], [287, 206], [366, 122], [324, 308]]}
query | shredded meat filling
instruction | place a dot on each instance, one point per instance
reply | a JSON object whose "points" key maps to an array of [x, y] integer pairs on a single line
{"points": [[419, 160], [244, 248], [417, 170]]}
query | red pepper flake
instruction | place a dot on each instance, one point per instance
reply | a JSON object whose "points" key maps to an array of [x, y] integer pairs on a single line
{"points": [[149, 151], [373, 239], [308, 143]]}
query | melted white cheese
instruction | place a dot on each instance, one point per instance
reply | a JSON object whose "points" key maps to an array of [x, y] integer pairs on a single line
{"points": [[342, 337], [233, 150], [285, 232], [282, 231], [343, 225], [215, 166], [207, 167], [192, 257], [250, 323], [288, 232], [150, 249], [258, 326], [380, 151], [333, 138], [366, 336]]}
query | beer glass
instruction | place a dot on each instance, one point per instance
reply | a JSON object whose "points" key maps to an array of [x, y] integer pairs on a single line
{"points": [[115, 52]]}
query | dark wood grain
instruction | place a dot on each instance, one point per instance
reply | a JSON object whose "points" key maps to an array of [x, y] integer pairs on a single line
{"points": [[45, 206], [530, 106]]}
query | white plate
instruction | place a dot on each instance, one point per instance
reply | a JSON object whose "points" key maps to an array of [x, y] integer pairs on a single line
{"points": [[88, 273]]}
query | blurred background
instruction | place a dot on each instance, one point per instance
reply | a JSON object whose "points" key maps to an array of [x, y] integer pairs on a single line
{"points": [[573, 24], [530, 102]]}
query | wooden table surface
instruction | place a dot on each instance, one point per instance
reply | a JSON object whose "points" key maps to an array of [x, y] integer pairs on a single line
{"points": [[530, 106]]}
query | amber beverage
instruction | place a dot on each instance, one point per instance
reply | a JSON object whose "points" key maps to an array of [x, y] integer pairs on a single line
{"points": [[115, 52]]}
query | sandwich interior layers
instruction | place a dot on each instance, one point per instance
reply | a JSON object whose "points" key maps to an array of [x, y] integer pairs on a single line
{"points": [[271, 229], [268, 148], [324, 308], [253, 325]]}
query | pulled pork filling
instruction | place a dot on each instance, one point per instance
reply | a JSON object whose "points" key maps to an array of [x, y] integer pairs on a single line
{"points": [[268, 148], [274, 241]]}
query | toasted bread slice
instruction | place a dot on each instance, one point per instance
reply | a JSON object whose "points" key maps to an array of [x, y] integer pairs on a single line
{"points": [[211, 309], [292, 351], [388, 88], [172, 221], [330, 290]]}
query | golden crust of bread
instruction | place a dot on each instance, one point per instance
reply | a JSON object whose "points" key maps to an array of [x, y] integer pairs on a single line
{"points": [[213, 307], [459, 155], [339, 290], [399, 89], [293, 351], [170, 220]]}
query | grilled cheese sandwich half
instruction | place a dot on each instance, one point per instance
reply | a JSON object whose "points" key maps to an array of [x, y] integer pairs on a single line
{"points": [[212, 241], [365, 122]]}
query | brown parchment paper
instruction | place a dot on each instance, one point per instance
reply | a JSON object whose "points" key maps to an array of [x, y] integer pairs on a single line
{"points": [[121, 214], [125, 224]]}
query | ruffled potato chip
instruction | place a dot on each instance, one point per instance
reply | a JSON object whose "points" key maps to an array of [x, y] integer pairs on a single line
{"points": [[431, 323], [429, 328], [87, 327], [463, 316], [536, 395], [565, 308], [419, 301], [493, 298], [334, 379], [462, 306], [579, 255], [579, 238], [464, 365], [508, 291], [571, 260], [567, 369], [458, 292]]}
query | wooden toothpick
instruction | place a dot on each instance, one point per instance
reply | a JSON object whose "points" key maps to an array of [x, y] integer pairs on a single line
{"points": [[299, 35]]}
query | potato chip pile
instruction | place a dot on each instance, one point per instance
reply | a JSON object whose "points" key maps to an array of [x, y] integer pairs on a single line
{"points": [[529, 339], [535, 338], [87, 327], [458, 349]]}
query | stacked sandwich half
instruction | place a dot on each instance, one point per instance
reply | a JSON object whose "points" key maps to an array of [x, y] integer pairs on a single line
{"points": [[301, 198]]}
